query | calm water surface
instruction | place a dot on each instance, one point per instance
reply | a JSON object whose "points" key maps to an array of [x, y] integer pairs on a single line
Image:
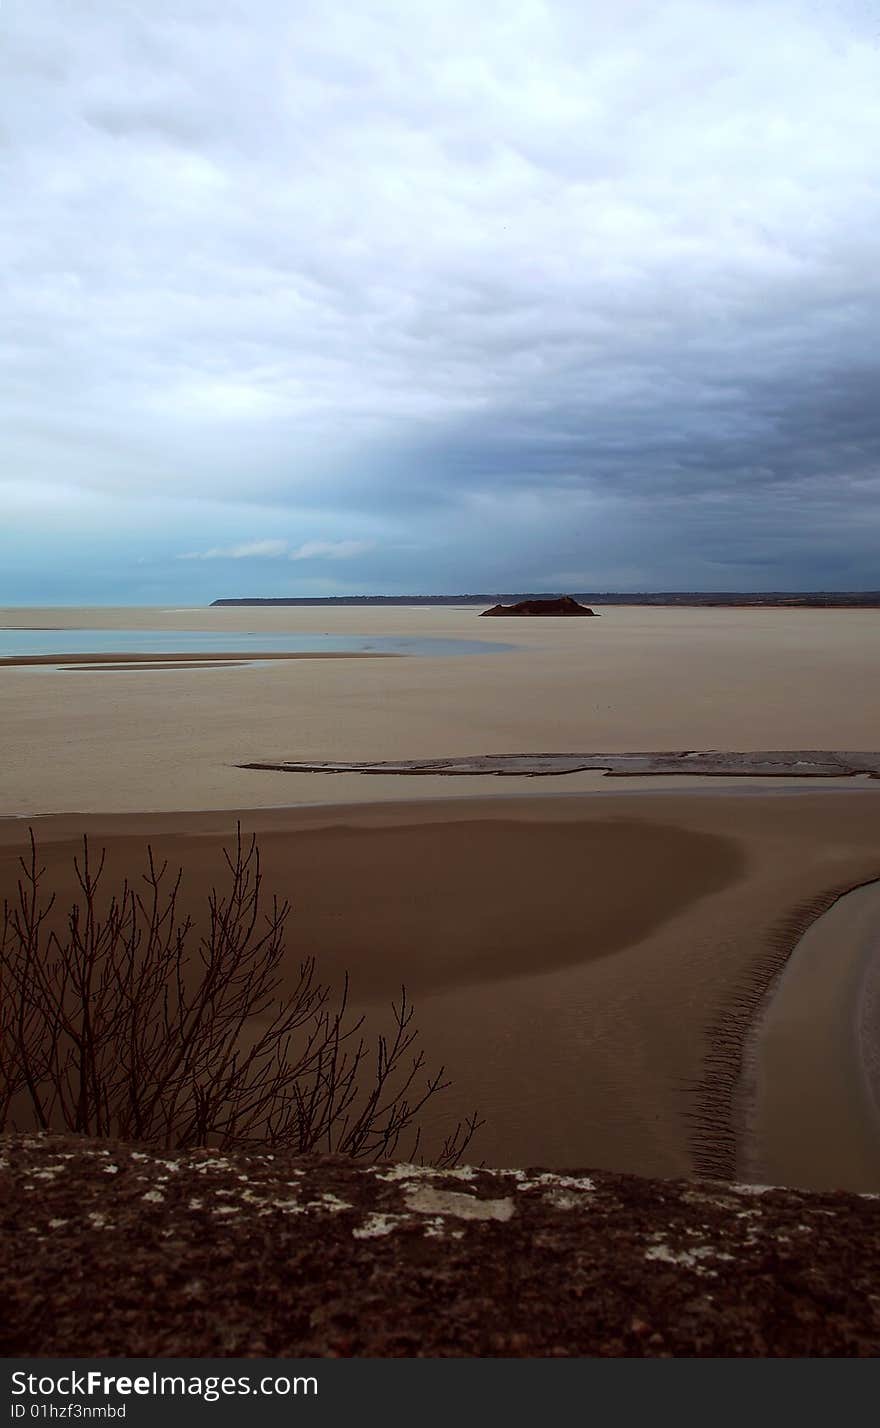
{"points": [[89, 641]]}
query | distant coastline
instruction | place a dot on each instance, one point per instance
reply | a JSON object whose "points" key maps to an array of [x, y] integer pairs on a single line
{"points": [[763, 599]]}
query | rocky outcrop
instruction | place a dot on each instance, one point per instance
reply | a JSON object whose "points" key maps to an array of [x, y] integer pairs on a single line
{"points": [[111, 1250], [778, 763], [564, 606]]}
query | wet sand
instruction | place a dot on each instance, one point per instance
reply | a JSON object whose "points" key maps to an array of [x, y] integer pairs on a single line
{"points": [[567, 955], [635, 679], [190, 660], [812, 1072], [574, 958]]}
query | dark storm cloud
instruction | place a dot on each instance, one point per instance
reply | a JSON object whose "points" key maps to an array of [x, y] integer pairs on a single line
{"points": [[439, 296]]}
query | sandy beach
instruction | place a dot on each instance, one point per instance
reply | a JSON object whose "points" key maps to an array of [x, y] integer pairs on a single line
{"points": [[572, 946]]}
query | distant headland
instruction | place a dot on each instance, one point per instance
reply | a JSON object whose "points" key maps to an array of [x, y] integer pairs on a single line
{"points": [[801, 599]]}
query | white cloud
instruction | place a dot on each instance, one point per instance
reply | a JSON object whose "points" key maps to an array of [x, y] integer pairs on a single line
{"points": [[250, 550], [331, 549], [282, 549]]}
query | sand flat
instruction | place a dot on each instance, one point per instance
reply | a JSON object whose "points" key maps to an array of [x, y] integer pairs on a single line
{"points": [[637, 678], [570, 952], [566, 955]]}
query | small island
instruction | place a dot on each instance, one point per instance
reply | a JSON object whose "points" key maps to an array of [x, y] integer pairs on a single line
{"points": [[565, 605]]}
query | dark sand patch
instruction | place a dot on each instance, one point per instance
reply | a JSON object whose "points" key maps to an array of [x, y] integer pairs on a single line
{"points": [[443, 907], [162, 665]]}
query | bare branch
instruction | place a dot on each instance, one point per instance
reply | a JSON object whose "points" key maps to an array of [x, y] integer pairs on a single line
{"points": [[119, 1020]]}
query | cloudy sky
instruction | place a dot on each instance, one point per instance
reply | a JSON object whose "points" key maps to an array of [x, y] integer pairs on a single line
{"points": [[317, 297]]}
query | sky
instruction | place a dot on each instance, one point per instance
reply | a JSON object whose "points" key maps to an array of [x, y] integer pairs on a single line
{"points": [[429, 296]]}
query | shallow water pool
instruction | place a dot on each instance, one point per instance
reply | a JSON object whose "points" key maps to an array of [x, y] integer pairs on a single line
{"points": [[103, 642]]}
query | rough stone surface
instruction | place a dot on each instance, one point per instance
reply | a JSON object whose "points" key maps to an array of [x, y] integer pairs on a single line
{"points": [[111, 1250]]}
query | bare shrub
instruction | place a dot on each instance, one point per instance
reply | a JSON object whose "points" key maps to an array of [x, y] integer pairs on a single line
{"points": [[129, 1025]]}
